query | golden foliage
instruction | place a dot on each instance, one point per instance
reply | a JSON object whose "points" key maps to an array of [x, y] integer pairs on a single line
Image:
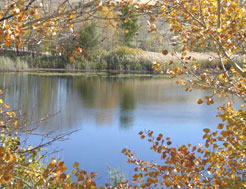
{"points": [[219, 162], [21, 167]]}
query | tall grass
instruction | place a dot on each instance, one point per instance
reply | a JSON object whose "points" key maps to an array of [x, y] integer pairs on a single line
{"points": [[127, 59], [9, 64], [120, 59]]}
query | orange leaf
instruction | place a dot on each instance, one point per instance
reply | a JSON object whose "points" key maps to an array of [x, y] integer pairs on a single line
{"points": [[220, 126], [124, 150], [93, 175], [15, 123], [206, 130], [140, 133], [79, 49]]}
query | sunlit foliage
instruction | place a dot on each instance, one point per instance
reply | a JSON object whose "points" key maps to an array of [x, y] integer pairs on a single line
{"points": [[219, 162], [23, 166], [217, 22]]}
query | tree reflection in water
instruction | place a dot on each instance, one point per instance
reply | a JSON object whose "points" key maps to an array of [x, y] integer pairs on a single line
{"points": [[87, 100]]}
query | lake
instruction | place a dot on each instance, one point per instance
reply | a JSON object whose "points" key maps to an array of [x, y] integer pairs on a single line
{"points": [[108, 111]]}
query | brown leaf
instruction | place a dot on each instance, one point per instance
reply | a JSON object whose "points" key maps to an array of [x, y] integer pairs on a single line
{"points": [[200, 101], [165, 52]]}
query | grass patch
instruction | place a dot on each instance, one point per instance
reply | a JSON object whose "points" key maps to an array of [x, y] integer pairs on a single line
{"points": [[12, 64], [127, 59]]}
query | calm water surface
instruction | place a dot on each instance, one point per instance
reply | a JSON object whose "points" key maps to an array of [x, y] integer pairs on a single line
{"points": [[109, 111]]}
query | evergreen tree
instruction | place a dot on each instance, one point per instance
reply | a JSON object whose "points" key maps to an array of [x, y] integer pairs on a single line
{"points": [[129, 23], [88, 37]]}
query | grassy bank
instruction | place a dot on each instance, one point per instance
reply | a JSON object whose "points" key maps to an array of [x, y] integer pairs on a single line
{"points": [[12, 64], [121, 59]]}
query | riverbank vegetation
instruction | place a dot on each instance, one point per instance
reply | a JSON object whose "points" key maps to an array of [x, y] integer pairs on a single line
{"points": [[215, 25], [12, 64], [121, 59]]}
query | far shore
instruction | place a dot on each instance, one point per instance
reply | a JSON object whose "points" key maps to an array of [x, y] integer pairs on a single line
{"points": [[79, 70], [122, 60]]}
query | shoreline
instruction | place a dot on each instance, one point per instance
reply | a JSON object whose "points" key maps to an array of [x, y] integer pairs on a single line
{"points": [[63, 70]]}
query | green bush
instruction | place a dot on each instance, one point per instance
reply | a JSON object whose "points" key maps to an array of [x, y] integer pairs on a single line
{"points": [[116, 176]]}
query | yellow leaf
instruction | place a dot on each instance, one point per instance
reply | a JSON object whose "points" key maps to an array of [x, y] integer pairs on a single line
{"points": [[219, 30], [221, 76], [126, 31], [21, 2], [76, 165], [152, 19], [203, 76], [71, 59], [126, 20], [230, 53], [15, 123], [184, 54], [1, 101], [100, 8], [6, 106]]}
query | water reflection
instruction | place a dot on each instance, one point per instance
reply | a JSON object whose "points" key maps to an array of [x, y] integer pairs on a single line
{"points": [[83, 99], [127, 107], [110, 111]]}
